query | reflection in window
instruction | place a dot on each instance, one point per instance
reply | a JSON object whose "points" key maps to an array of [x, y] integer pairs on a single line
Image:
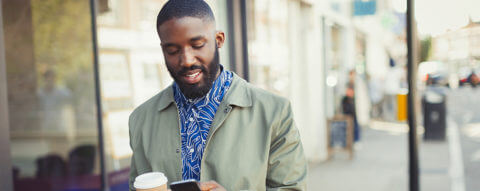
{"points": [[116, 15], [51, 95], [55, 104], [269, 45], [131, 71]]}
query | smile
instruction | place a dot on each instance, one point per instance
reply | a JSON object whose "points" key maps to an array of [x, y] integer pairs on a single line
{"points": [[193, 75], [192, 78]]}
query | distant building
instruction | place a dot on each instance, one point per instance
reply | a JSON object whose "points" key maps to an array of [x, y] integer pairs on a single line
{"points": [[459, 48]]}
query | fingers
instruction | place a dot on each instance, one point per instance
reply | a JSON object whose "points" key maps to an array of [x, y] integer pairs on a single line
{"points": [[211, 186], [208, 185]]}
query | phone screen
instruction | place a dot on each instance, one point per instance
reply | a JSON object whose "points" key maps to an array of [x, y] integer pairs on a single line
{"points": [[185, 185]]}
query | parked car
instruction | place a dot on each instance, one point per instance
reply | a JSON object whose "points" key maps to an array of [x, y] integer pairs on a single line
{"points": [[433, 73], [472, 79]]}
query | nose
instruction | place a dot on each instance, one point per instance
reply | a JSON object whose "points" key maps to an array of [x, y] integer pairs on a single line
{"points": [[188, 58]]}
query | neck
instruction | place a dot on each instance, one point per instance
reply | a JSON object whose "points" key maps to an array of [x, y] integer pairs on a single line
{"points": [[219, 71]]}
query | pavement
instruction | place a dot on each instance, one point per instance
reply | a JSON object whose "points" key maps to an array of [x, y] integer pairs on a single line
{"points": [[380, 162]]}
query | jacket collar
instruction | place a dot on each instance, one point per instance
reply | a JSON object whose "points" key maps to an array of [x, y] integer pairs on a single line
{"points": [[238, 95]]}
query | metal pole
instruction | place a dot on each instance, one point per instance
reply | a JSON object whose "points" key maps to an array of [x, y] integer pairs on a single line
{"points": [[93, 11], [412, 122], [231, 36], [243, 9], [6, 180]]}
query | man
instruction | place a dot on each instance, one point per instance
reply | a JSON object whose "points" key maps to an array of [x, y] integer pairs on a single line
{"points": [[210, 125]]}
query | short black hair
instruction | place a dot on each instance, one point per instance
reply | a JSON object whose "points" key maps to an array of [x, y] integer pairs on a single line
{"points": [[184, 8]]}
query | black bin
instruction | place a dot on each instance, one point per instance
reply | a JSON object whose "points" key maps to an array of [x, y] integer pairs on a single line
{"points": [[434, 115]]}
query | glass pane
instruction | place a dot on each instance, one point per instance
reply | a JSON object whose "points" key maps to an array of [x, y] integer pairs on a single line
{"points": [[51, 95], [132, 70], [269, 41]]}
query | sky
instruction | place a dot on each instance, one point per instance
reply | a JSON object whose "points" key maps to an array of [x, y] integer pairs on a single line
{"points": [[437, 16]]}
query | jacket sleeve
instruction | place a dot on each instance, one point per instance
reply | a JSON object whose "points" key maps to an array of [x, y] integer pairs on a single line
{"points": [[139, 163], [287, 168]]}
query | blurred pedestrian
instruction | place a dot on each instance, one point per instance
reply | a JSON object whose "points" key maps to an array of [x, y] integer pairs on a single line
{"points": [[348, 108]]}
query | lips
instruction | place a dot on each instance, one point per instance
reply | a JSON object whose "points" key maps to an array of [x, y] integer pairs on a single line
{"points": [[192, 77]]}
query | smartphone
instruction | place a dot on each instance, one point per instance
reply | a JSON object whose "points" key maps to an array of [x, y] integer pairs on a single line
{"points": [[185, 185]]}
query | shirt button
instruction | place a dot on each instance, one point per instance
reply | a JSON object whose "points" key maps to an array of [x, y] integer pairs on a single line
{"points": [[191, 150], [191, 119]]}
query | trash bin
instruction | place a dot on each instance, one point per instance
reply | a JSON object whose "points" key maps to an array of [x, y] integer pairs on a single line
{"points": [[434, 115]]}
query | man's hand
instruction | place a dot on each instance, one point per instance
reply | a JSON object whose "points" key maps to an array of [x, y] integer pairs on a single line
{"points": [[211, 186]]}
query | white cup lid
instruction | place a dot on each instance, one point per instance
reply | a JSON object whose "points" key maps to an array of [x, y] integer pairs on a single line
{"points": [[150, 180]]}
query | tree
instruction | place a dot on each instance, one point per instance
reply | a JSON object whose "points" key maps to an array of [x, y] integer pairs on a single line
{"points": [[425, 49]]}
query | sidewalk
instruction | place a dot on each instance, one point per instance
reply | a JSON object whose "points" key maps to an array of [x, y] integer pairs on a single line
{"points": [[381, 163]]}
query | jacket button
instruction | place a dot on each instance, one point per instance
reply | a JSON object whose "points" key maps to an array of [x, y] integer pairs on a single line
{"points": [[177, 151], [227, 109]]}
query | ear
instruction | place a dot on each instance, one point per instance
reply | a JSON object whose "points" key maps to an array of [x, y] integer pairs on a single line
{"points": [[220, 38]]}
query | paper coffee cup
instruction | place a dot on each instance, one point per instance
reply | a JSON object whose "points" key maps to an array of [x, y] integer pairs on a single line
{"points": [[152, 181]]}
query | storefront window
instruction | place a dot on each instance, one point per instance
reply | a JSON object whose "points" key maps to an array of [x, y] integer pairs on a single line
{"points": [[336, 67], [268, 44], [48, 48]]}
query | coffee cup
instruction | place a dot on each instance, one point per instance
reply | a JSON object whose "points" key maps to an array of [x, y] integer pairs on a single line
{"points": [[152, 181]]}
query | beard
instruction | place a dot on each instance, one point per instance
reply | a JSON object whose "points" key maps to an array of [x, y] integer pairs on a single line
{"points": [[200, 89]]}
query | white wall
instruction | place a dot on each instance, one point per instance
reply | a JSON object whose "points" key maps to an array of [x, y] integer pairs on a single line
{"points": [[306, 87], [315, 90], [377, 58]]}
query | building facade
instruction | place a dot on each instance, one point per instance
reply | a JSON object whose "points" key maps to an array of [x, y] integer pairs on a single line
{"points": [[459, 49]]}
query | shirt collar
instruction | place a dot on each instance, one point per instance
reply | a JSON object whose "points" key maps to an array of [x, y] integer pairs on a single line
{"points": [[215, 91], [238, 95]]}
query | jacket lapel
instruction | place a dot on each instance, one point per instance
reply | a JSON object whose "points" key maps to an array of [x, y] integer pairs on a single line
{"points": [[165, 100], [237, 96]]}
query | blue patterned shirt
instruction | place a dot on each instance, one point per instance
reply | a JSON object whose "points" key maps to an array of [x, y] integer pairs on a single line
{"points": [[196, 117]]}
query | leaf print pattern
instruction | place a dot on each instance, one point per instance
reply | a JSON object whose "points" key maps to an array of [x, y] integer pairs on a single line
{"points": [[196, 117]]}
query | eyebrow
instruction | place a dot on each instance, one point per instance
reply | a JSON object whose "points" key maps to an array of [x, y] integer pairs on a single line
{"points": [[168, 44], [197, 38]]}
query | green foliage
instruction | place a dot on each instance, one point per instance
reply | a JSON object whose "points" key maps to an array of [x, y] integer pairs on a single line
{"points": [[425, 49], [62, 37], [63, 43]]}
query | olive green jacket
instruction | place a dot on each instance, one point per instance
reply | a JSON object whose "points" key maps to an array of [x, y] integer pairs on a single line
{"points": [[253, 142]]}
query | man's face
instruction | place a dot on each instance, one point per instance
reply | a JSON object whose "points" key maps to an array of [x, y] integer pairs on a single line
{"points": [[190, 47]]}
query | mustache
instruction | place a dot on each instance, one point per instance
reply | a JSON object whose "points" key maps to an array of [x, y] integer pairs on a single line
{"points": [[184, 70]]}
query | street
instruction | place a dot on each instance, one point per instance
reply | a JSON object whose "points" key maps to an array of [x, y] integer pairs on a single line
{"points": [[381, 158], [463, 108]]}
